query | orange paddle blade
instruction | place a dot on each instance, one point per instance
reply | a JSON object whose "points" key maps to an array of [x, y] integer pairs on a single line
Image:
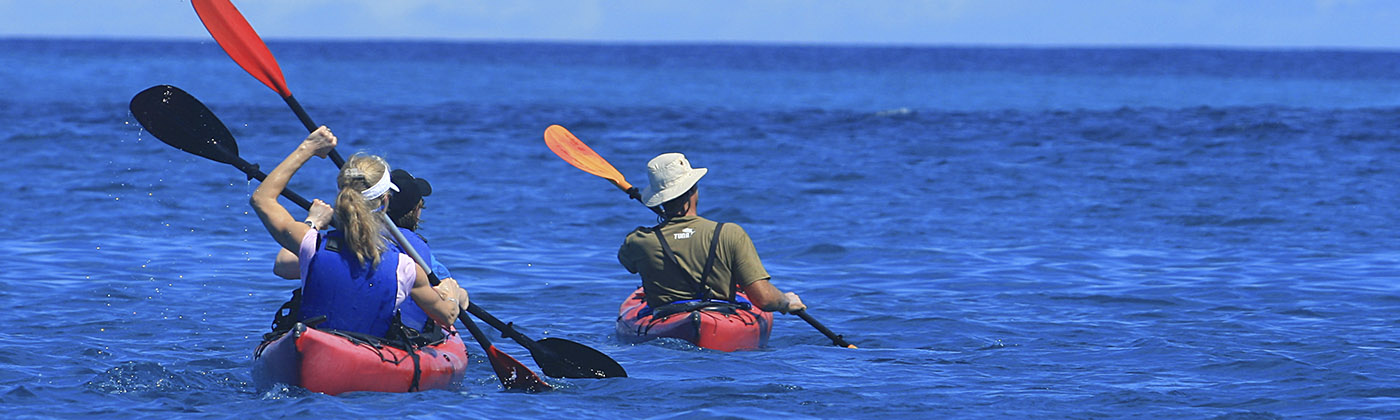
{"points": [[243, 45], [572, 150]]}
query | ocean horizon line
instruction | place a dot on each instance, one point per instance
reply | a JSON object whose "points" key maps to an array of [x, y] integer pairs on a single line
{"points": [[728, 43]]}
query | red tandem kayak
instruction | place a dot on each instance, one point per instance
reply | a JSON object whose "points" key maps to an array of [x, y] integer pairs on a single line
{"points": [[332, 363], [722, 327]]}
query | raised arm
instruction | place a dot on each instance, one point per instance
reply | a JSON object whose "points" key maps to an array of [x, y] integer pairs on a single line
{"points": [[286, 230], [288, 265]]}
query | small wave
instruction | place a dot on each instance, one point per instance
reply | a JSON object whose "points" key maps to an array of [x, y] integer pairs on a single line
{"points": [[897, 112], [824, 249], [675, 344], [1105, 299], [133, 377], [1248, 415], [1216, 220], [19, 392], [1250, 221], [1257, 129], [284, 392]]}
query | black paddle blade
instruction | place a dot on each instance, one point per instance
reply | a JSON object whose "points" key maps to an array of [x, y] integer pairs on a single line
{"points": [[574, 360], [180, 120]]}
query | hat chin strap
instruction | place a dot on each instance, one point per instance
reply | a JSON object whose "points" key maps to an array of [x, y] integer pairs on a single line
{"points": [[664, 216]]}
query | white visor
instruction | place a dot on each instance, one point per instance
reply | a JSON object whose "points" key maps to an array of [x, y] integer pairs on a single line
{"points": [[379, 188]]}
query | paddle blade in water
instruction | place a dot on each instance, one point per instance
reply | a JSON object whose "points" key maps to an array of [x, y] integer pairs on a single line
{"points": [[572, 150], [568, 359], [243, 45], [180, 120], [513, 374]]}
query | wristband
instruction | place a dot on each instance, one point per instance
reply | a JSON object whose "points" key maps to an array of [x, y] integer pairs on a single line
{"points": [[308, 222]]}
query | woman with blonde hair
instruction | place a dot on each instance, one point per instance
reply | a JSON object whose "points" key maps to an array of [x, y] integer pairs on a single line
{"points": [[351, 275]]}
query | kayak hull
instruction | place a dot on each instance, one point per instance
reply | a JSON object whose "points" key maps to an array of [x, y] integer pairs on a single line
{"points": [[333, 364], [743, 329]]}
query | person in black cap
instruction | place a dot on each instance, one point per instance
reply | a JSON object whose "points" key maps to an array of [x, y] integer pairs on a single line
{"points": [[406, 206], [406, 210]]}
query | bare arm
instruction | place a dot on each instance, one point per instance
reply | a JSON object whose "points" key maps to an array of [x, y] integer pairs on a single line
{"points": [[767, 297], [286, 230], [442, 303], [287, 265]]}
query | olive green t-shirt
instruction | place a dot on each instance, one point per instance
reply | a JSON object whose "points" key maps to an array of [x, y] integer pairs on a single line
{"points": [[689, 237]]}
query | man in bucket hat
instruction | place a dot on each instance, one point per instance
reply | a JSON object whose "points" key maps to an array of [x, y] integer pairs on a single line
{"points": [[687, 237]]}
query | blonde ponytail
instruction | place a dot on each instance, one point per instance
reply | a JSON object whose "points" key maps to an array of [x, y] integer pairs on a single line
{"points": [[359, 218]]}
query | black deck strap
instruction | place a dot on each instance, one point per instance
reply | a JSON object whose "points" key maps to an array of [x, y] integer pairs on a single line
{"points": [[417, 370], [710, 261], [409, 340], [669, 309], [699, 288], [286, 316]]}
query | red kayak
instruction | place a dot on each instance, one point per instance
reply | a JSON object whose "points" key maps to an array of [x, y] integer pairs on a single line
{"points": [[332, 363], [713, 325]]}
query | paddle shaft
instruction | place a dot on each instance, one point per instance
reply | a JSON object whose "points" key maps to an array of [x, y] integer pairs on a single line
{"points": [[835, 338], [507, 329], [254, 173], [311, 126]]}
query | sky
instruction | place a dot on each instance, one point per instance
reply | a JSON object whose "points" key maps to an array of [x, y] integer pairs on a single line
{"points": [[1348, 24]]}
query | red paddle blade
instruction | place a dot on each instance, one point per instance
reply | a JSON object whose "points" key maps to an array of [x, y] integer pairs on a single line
{"points": [[236, 36], [514, 375], [572, 150]]}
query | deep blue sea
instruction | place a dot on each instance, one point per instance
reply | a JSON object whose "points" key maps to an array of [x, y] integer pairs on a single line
{"points": [[1005, 232]]}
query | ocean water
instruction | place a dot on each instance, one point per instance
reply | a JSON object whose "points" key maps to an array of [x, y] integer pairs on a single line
{"points": [[1005, 232]]}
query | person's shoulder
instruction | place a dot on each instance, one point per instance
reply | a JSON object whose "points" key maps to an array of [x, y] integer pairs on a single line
{"points": [[727, 225], [733, 231], [638, 233]]}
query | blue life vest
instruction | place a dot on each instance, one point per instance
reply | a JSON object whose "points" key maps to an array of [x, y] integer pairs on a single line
{"points": [[353, 297], [411, 315]]}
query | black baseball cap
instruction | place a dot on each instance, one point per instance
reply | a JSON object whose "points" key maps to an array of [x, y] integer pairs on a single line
{"points": [[411, 190]]}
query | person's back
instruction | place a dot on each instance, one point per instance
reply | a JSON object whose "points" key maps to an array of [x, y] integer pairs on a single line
{"points": [[351, 295], [689, 237]]}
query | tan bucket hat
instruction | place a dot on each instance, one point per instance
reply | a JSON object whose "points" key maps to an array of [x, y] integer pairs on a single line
{"points": [[670, 175]]}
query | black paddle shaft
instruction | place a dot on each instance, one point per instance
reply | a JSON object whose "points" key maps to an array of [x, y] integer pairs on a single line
{"points": [[836, 339]]}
